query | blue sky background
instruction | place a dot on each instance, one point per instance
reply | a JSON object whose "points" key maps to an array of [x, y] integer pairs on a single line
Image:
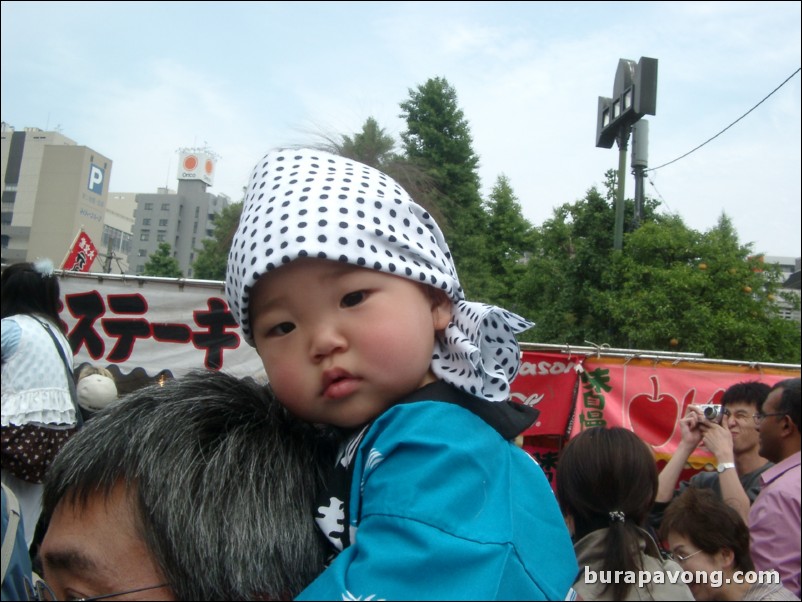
{"points": [[138, 80]]}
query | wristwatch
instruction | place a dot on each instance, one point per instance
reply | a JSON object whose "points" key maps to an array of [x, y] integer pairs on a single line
{"points": [[724, 466]]}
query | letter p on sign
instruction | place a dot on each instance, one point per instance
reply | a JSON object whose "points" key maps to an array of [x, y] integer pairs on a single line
{"points": [[96, 177]]}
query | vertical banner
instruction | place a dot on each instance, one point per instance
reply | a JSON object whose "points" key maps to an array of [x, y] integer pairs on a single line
{"points": [[82, 254], [547, 381]]}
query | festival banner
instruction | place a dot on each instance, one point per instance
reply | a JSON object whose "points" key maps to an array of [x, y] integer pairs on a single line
{"points": [[650, 396], [81, 255], [153, 325]]}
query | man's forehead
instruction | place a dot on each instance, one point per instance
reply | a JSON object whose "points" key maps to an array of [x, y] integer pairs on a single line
{"points": [[740, 404], [773, 400]]}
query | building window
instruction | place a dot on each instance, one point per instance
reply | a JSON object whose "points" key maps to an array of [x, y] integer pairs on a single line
{"points": [[146, 221], [195, 228], [6, 217], [140, 269], [148, 206], [142, 253], [144, 235], [163, 223], [161, 236], [197, 211], [165, 206]]}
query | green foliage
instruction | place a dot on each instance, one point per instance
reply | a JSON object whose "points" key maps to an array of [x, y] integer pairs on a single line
{"points": [[438, 140], [210, 264], [508, 242], [162, 263], [670, 288], [373, 146]]}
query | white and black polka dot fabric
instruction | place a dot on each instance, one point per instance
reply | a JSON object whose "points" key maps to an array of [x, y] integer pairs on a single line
{"points": [[309, 203]]}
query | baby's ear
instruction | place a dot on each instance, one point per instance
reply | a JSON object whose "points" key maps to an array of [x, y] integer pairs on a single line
{"points": [[442, 309]]}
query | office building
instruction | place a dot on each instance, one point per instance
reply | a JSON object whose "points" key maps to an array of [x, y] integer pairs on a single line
{"points": [[52, 189], [182, 218]]}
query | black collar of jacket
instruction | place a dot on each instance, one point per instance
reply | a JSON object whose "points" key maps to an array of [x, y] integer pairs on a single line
{"points": [[509, 418]]}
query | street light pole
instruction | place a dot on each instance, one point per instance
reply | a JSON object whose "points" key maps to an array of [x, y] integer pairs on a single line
{"points": [[634, 95]]}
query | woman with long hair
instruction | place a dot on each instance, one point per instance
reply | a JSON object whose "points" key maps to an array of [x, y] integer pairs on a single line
{"points": [[606, 485]]}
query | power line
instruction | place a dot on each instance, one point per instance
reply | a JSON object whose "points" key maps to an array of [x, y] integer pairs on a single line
{"points": [[728, 127], [658, 193]]}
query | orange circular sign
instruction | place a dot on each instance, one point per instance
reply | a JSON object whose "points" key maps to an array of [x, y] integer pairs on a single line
{"points": [[209, 166], [190, 162]]}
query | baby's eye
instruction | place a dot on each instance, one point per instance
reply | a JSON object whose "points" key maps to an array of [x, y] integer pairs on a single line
{"points": [[281, 329], [352, 299]]}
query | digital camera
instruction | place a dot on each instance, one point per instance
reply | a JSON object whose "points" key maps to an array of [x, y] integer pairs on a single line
{"points": [[713, 412]]}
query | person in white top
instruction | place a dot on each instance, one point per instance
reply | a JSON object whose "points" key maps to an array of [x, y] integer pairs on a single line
{"points": [[38, 408]]}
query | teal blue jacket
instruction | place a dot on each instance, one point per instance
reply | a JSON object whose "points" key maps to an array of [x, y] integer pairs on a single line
{"points": [[443, 507]]}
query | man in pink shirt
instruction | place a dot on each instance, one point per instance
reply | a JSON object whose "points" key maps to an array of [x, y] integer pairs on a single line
{"points": [[776, 515]]}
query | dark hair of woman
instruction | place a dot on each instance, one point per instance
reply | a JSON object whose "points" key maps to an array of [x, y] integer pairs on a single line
{"points": [[29, 288], [607, 479], [710, 524]]}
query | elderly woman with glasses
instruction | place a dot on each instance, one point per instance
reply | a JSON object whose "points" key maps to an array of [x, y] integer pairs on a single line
{"points": [[710, 541]]}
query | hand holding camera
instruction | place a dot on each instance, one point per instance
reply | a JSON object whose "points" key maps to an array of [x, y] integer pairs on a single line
{"points": [[708, 424]]}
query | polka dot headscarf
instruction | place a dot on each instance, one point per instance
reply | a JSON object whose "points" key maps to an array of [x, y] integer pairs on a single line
{"points": [[309, 203]]}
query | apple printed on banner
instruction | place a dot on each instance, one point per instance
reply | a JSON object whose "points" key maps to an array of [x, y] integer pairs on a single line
{"points": [[653, 416]]}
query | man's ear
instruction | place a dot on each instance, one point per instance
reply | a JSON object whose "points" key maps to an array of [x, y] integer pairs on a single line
{"points": [[442, 309], [727, 558], [788, 428]]}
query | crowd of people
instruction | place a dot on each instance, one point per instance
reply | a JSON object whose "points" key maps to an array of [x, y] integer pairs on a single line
{"points": [[339, 480]]}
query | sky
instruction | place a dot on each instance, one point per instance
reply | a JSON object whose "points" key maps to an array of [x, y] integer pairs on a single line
{"points": [[136, 81]]}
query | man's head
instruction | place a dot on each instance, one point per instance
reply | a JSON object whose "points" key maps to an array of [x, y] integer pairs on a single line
{"points": [[740, 402], [779, 421], [205, 484]]}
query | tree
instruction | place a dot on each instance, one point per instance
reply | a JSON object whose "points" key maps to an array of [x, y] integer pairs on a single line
{"points": [[712, 297], [372, 146], [670, 288], [210, 263], [509, 243], [438, 140], [162, 263]]}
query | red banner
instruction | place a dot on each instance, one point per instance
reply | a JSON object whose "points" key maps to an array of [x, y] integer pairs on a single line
{"points": [[547, 381], [650, 397], [81, 256]]}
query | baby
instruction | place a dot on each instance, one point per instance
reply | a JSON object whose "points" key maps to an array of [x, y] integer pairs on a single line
{"points": [[348, 291]]}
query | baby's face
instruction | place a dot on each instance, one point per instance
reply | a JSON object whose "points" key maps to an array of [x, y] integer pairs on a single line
{"points": [[341, 343]]}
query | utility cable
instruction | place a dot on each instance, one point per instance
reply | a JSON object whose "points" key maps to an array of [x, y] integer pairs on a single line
{"points": [[726, 128]]}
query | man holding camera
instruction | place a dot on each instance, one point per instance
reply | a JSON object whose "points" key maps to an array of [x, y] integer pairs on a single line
{"points": [[732, 438]]}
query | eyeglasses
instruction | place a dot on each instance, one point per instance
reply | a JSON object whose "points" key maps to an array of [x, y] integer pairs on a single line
{"points": [[760, 416], [40, 590], [681, 559]]}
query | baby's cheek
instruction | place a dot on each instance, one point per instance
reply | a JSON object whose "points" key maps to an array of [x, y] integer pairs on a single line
{"points": [[284, 377]]}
